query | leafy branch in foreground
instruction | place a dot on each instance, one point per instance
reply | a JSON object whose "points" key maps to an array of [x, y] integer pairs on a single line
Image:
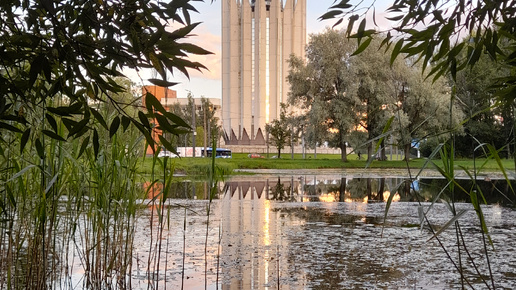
{"points": [[63, 56], [433, 30]]}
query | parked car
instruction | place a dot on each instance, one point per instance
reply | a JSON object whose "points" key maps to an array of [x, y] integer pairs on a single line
{"points": [[255, 155]]}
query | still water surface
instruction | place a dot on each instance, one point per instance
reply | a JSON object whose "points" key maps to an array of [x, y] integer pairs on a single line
{"points": [[281, 231]]}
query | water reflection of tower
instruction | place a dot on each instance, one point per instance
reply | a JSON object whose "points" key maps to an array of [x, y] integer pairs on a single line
{"points": [[250, 234]]}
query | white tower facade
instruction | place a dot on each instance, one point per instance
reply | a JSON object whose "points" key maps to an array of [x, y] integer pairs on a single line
{"points": [[258, 37]]}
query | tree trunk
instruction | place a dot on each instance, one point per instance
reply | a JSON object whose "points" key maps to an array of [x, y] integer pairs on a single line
{"points": [[279, 153], [406, 148], [381, 189], [383, 156], [369, 151], [303, 146], [343, 155], [342, 190], [369, 189], [292, 150], [407, 187]]}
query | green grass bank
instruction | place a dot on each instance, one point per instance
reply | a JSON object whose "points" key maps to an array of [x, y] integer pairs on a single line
{"points": [[199, 166]]}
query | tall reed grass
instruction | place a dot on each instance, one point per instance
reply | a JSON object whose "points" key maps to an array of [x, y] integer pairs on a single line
{"points": [[61, 214]]}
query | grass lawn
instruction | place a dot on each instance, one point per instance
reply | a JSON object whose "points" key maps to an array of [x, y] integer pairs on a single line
{"points": [[195, 166]]}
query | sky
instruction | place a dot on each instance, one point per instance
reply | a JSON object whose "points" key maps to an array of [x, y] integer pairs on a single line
{"points": [[208, 35]]}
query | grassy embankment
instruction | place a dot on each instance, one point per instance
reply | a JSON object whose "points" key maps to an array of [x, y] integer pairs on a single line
{"points": [[199, 166]]}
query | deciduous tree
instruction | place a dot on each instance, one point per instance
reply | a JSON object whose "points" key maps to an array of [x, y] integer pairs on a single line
{"points": [[375, 84], [424, 108], [323, 83], [279, 131]]}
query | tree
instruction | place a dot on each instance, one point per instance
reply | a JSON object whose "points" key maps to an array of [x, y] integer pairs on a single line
{"points": [[375, 83], [211, 125], [278, 131], [423, 109], [475, 94], [322, 83], [58, 56], [445, 37]]}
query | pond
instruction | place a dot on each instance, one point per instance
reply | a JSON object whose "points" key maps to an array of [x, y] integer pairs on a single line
{"points": [[280, 230]]}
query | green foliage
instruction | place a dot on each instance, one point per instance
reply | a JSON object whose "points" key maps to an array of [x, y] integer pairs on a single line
{"points": [[62, 56], [321, 87], [428, 145], [71, 131], [206, 123], [200, 166], [475, 95], [366, 91], [431, 31], [425, 109], [63, 198], [279, 131]]}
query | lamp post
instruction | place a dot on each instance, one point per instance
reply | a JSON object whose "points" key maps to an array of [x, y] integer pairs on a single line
{"points": [[193, 127], [203, 104]]}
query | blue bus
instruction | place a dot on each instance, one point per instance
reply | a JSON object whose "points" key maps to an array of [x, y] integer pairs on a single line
{"points": [[219, 152]]}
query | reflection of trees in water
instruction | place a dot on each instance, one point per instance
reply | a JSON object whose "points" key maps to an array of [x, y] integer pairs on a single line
{"points": [[359, 188], [494, 191], [287, 189], [182, 190], [189, 190], [348, 188], [372, 188], [281, 192]]}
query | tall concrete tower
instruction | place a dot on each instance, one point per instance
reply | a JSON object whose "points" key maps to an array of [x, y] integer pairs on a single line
{"points": [[258, 36]]}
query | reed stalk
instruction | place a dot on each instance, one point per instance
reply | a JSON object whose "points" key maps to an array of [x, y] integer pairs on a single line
{"points": [[56, 205]]}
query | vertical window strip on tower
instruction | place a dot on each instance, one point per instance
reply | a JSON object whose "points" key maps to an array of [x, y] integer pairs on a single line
{"points": [[267, 70]]}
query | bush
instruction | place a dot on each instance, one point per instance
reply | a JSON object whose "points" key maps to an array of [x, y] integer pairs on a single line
{"points": [[427, 146]]}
